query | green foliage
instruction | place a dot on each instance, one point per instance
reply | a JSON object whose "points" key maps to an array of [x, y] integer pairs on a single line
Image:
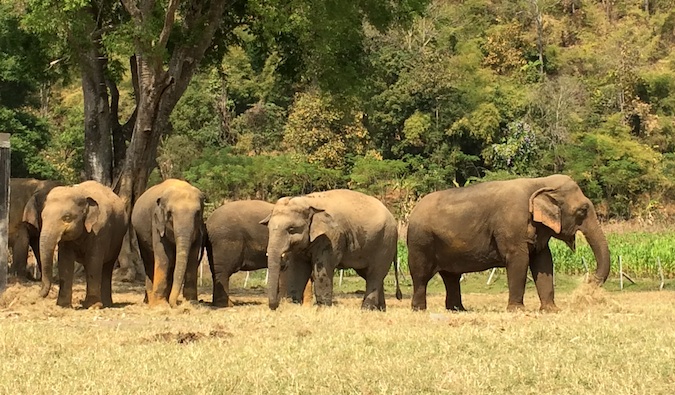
{"points": [[324, 132], [519, 152], [223, 176], [23, 65]]}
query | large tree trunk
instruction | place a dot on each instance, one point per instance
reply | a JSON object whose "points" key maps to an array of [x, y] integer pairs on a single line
{"points": [[158, 87], [97, 118]]}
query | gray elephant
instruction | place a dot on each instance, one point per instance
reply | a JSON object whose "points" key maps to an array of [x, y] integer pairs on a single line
{"points": [[27, 197], [500, 224], [237, 241], [87, 221], [169, 224], [312, 235]]}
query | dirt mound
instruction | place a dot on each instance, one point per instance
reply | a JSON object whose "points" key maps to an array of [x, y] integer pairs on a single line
{"points": [[17, 293]]}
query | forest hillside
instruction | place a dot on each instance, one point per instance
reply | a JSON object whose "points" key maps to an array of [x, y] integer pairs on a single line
{"points": [[464, 91]]}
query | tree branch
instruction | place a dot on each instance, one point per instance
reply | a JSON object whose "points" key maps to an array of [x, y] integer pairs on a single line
{"points": [[133, 10], [168, 23]]}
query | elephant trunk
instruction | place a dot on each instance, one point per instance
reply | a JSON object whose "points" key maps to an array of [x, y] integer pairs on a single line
{"points": [[49, 239], [183, 243], [273, 271], [596, 239]]}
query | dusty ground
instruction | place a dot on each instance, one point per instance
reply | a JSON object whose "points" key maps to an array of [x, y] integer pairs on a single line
{"points": [[601, 343]]}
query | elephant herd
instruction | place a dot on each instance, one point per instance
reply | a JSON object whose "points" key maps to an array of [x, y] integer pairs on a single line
{"points": [[301, 239]]}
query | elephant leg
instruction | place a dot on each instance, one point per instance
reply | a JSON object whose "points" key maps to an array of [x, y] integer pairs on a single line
{"points": [[453, 295], [94, 275], [542, 273], [161, 284], [106, 283], [66, 265], [516, 275], [35, 246], [297, 278], [221, 289], [148, 262], [422, 269], [20, 253], [374, 295], [323, 266], [191, 274]]}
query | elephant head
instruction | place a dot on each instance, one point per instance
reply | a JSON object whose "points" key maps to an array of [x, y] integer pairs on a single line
{"points": [[294, 225], [564, 209], [178, 217], [68, 214]]}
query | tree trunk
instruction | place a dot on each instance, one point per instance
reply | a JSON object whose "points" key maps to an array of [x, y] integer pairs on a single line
{"points": [[158, 87], [97, 119]]}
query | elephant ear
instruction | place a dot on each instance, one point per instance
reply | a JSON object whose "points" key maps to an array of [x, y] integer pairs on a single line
{"points": [[93, 216], [266, 220], [545, 209], [320, 223], [30, 213], [161, 217]]}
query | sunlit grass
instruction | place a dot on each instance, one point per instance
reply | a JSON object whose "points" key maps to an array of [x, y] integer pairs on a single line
{"points": [[602, 342]]}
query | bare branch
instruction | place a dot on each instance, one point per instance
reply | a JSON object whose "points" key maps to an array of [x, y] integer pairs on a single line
{"points": [[168, 23]]}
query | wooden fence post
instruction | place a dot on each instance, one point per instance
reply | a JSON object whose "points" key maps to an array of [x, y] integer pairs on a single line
{"points": [[4, 208]]}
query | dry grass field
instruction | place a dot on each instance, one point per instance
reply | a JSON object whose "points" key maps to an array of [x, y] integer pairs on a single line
{"points": [[603, 342]]}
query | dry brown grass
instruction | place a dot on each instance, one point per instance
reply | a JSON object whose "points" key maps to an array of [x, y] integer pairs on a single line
{"points": [[601, 343]]}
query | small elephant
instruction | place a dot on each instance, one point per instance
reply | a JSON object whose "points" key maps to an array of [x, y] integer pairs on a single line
{"points": [[168, 219], [27, 197], [88, 222], [237, 241], [500, 224], [312, 235]]}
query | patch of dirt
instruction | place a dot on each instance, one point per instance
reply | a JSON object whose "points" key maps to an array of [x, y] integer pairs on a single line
{"points": [[188, 337], [587, 295]]}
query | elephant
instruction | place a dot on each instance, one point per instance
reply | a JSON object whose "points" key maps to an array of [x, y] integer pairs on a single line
{"points": [[168, 219], [87, 221], [27, 197], [237, 241], [312, 235], [500, 224]]}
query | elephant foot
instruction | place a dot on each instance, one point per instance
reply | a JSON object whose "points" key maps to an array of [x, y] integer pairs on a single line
{"points": [[158, 303], [549, 308], [458, 308], [64, 303], [92, 303], [512, 307], [222, 303]]}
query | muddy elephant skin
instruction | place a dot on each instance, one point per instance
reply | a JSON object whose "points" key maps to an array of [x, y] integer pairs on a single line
{"points": [[500, 224], [168, 219], [236, 241], [312, 235], [27, 197], [88, 222]]}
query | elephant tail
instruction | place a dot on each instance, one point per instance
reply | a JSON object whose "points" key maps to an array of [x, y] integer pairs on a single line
{"points": [[399, 295], [208, 248]]}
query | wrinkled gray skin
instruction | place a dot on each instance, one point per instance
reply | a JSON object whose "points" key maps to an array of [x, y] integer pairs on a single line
{"points": [[27, 197], [500, 224], [312, 235], [169, 224], [88, 222], [237, 241]]}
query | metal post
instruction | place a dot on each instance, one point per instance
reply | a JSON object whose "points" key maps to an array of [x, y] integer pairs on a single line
{"points": [[4, 208], [620, 273]]}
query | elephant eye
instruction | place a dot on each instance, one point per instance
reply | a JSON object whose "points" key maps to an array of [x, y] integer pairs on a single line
{"points": [[293, 230], [67, 218], [582, 212]]}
